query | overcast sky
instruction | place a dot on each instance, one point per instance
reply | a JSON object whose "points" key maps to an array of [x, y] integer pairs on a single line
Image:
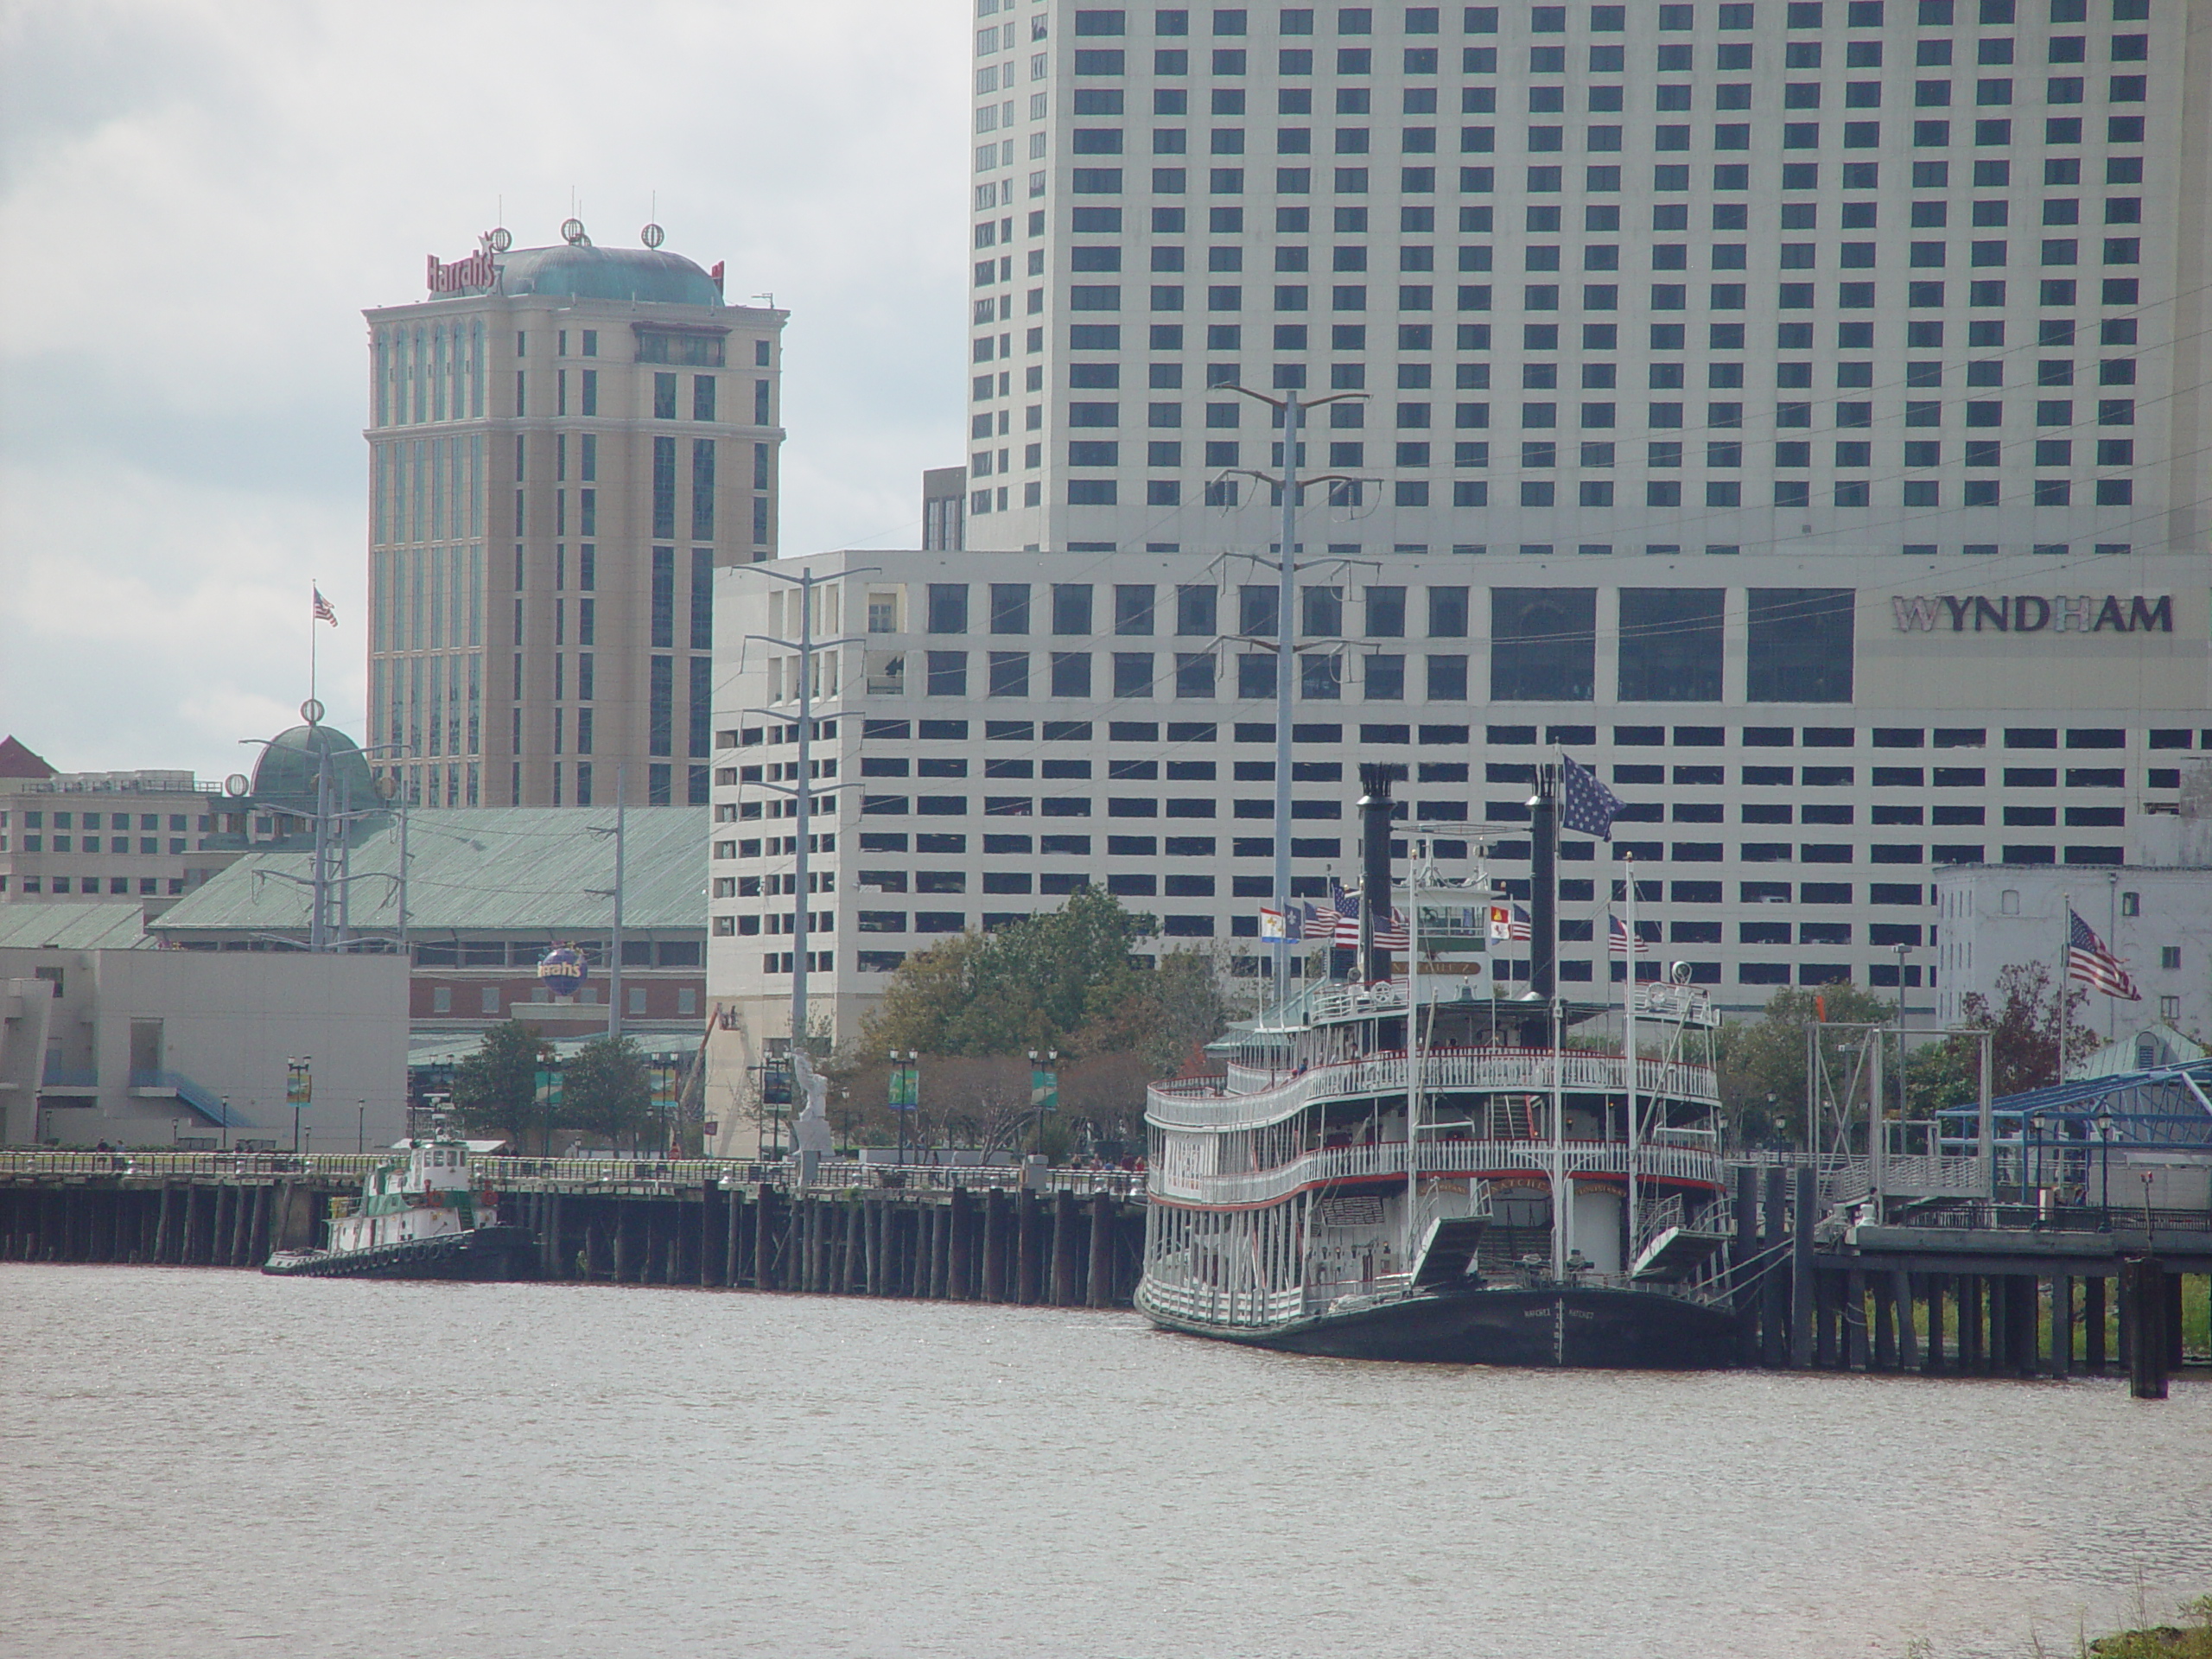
{"points": [[199, 197]]}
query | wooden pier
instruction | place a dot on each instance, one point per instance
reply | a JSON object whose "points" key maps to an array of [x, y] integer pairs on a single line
{"points": [[1057, 1238], [1986, 1290], [1996, 1291]]}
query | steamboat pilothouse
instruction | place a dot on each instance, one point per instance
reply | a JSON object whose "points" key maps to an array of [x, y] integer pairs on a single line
{"points": [[1411, 1167]]}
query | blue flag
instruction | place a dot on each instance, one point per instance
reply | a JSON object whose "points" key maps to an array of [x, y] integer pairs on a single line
{"points": [[1585, 804]]}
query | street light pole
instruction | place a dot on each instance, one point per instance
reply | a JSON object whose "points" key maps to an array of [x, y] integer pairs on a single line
{"points": [[1293, 420], [802, 788]]}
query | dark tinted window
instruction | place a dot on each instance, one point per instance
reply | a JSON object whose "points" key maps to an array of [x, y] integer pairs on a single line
{"points": [[1670, 644], [1543, 643], [1800, 646]]}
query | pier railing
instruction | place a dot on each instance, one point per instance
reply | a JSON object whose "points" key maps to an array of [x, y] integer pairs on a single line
{"points": [[609, 1175], [1247, 1096]]}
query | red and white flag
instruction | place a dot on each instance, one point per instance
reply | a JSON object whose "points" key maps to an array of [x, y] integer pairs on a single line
{"points": [[322, 611], [2089, 961], [1617, 934]]}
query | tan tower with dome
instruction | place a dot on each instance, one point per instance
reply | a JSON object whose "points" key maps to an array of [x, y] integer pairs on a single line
{"points": [[564, 443]]}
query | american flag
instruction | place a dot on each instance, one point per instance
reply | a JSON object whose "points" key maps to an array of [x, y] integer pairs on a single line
{"points": [[1394, 935], [1617, 935], [1511, 925], [1347, 908], [2089, 961], [1586, 805], [1320, 922], [322, 611]]}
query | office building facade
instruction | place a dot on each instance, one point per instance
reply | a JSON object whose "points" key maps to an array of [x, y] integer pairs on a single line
{"points": [[1835, 277], [1801, 759], [565, 443]]}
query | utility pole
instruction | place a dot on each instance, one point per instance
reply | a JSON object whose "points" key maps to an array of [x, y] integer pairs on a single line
{"points": [[615, 893], [801, 789], [1287, 484]]}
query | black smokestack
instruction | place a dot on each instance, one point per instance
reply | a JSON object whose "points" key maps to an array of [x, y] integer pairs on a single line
{"points": [[1375, 778], [1543, 886]]}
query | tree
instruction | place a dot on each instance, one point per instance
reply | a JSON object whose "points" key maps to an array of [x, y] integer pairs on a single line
{"points": [[1033, 985], [2024, 1023], [1763, 1082], [1060, 981], [605, 1091], [495, 1088]]}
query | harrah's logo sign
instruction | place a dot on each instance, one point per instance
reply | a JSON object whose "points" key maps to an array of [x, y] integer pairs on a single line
{"points": [[478, 271], [2033, 613]]}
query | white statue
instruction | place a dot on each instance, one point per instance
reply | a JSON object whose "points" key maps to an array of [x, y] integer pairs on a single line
{"points": [[811, 1132]]}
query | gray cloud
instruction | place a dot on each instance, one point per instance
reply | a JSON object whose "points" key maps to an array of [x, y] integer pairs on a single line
{"points": [[197, 197]]}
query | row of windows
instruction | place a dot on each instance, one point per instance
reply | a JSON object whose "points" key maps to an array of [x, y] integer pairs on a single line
{"points": [[1921, 334], [1663, 296], [894, 730], [1174, 102], [116, 886], [1572, 889], [33, 842], [1607, 138], [1601, 494], [39, 817], [1357, 20]]}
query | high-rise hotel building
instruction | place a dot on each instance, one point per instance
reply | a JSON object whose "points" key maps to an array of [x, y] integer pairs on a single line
{"points": [[1877, 277], [565, 443]]}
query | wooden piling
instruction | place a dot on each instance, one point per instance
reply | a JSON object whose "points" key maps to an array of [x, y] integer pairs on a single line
{"points": [[763, 1274], [1027, 1267], [162, 1235], [960, 1245], [1800, 1268], [1884, 1289], [1908, 1336], [993, 1246], [2062, 1325], [1854, 1321], [2143, 1319], [1063, 1287], [1774, 1278], [1099, 1278]]}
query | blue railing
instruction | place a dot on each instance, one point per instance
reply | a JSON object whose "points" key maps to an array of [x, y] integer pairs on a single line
{"points": [[209, 1106]]}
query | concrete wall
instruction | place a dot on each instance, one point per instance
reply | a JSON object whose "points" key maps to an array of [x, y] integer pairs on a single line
{"points": [[228, 1023], [1991, 917]]}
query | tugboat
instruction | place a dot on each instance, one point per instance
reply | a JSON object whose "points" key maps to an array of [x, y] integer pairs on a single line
{"points": [[1401, 1169], [421, 1219]]}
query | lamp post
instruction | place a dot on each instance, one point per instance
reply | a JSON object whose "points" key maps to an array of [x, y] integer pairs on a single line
{"points": [[299, 1091], [904, 1092], [360, 1126], [1043, 1088]]}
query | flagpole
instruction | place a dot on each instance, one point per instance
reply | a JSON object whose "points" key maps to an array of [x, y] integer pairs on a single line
{"points": [[2065, 978], [313, 643], [1628, 1012]]}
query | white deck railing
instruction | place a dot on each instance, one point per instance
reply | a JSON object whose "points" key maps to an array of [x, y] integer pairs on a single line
{"points": [[1247, 1097], [1438, 1158]]}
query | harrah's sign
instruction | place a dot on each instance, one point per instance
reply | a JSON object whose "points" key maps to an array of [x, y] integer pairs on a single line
{"points": [[2033, 613], [481, 270]]}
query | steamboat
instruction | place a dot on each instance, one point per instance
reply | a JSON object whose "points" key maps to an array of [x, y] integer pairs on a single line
{"points": [[420, 1219], [1407, 1168]]}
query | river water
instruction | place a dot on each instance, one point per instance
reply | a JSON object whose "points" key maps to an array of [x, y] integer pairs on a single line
{"points": [[206, 1463]]}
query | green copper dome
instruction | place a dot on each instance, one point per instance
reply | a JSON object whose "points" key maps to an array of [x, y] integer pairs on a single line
{"points": [[590, 273], [285, 778]]}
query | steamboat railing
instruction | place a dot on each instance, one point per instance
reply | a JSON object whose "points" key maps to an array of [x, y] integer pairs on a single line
{"points": [[1247, 1097], [1175, 1182]]}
